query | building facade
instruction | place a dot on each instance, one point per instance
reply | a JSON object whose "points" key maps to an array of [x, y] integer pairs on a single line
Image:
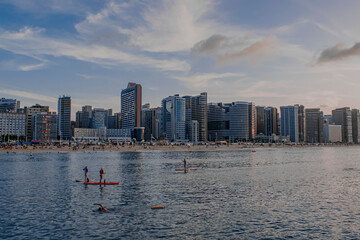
{"points": [[131, 100], [9, 105], [260, 120], [173, 118], [289, 123], [302, 122], [30, 112], [355, 121], [270, 121], [342, 116], [252, 120], [12, 123], [64, 117], [44, 127], [332, 133], [314, 125]]}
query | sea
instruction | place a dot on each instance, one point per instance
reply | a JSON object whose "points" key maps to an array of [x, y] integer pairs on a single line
{"points": [[272, 193]]}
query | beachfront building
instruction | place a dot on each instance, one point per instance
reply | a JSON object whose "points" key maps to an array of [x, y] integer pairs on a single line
{"points": [[342, 116], [289, 123], [199, 114], [91, 134], [131, 98], [64, 117], [355, 121], [9, 105], [83, 117], [270, 116], [332, 133], [252, 120], [217, 121], [12, 124], [314, 125], [260, 120], [173, 118], [229, 121], [301, 122], [44, 127], [152, 123], [29, 113]]}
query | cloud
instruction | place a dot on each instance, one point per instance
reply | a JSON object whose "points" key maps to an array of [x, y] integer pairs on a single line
{"points": [[28, 95], [338, 53], [202, 80], [228, 49], [256, 51], [30, 42], [210, 45], [31, 67]]}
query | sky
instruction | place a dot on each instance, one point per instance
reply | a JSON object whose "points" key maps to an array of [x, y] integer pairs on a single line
{"points": [[273, 53]]}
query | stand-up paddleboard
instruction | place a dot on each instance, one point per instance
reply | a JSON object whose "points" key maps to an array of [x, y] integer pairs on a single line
{"points": [[82, 180], [190, 169], [102, 183]]}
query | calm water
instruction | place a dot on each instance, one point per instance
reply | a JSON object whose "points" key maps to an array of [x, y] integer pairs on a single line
{"points": [[271, 193]]}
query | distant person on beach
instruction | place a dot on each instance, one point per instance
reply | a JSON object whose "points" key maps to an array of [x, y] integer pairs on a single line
{"points": [[101, 208], [86, 171], [102, 172]]}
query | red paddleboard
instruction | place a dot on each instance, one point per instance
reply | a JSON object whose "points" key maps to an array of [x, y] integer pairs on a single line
{"points": [[191, 169], [102, 183]]}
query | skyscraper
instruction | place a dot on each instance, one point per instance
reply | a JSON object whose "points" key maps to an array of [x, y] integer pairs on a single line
{"points": [[83, 117], [217, 122], [30, 112], [9, 105], [64, 117], [199, 114], [289, 123], [260, 119], [270, 121], [131, 98], [173, 118], [314, 125], [301, 121], [342, 116], [252, 120]]}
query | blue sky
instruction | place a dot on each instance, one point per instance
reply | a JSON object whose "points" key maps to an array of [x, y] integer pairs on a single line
{"points": [[274, 53]]}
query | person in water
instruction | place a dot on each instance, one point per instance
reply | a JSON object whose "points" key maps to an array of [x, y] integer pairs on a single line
{"points": [[102, 172], [185, 165], [86, 171], [101, 208]]}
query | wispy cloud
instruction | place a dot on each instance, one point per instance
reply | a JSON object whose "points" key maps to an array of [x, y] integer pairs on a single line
{"points": [[202, 80], [28, 95], [338, 53], [31, 67], [228, 49]]}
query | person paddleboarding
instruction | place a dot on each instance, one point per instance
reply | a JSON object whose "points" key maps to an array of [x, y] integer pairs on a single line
{"points": [[185, 165], [86, 171], [102, 172]]}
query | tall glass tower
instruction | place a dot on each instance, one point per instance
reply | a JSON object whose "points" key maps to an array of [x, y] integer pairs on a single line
{"points": [[64, 117]]}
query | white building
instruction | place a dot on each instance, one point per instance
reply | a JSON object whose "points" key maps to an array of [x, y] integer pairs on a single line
{"points": [[12, 123], [86, 134], [332, 133]]}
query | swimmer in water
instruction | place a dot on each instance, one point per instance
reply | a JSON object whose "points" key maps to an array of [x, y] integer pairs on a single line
{"points": [[101, 208]]}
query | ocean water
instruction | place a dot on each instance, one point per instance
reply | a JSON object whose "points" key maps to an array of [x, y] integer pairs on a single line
{"points": [[300, 193]]}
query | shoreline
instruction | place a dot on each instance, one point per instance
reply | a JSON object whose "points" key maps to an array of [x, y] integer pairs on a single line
{"points": [[166, 148]]}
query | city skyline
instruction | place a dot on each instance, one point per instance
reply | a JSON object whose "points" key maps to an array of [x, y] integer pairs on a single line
{"points": [[271, 55]]}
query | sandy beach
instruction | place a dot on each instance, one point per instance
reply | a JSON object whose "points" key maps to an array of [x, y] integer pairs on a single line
{"points": [[146, 148]]}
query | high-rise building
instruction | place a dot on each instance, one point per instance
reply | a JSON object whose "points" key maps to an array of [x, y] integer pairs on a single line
{"points": [[342, 116], [30, 112], [99, 118], [150, 132], [270, 121], [199, 114], [188, 116], [217, 122], [302, 122], [238, 121], [64, 117], [252, 120], [332, 133], [289, 123], [260, 120], [355, 118], [83, 117], [12, 123], [173, 118], [314, 125], [131, 98], [9, 105], [44, 127]]}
